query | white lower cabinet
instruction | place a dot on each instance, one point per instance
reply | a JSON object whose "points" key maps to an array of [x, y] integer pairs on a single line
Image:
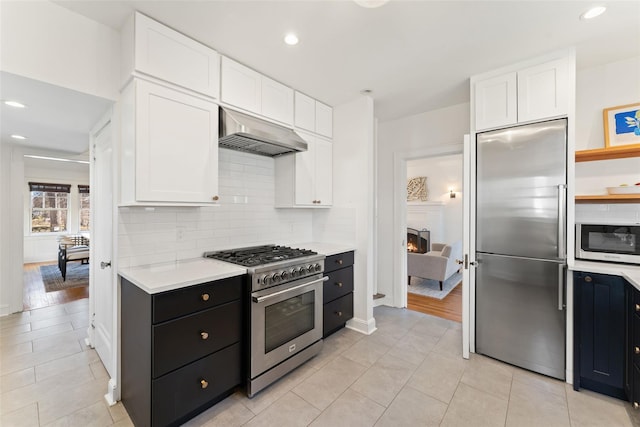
{"points": [[305, 179], [169, 147]]}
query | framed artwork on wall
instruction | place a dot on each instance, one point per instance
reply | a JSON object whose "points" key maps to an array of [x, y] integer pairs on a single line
{"points": [[622, 125], [417, 189]]}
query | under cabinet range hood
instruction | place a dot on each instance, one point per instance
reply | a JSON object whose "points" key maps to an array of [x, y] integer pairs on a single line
{"points": [[246, 133]]}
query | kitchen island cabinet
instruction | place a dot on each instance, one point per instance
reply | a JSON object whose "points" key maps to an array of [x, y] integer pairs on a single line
{"points": [[181, 349], [337, 296]]}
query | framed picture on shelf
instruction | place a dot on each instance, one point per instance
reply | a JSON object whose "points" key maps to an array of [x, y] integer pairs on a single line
{"points": [[622, 125]]}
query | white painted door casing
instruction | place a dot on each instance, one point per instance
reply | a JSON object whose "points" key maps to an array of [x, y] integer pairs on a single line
{"points": [[170, 147], [164, 53]]}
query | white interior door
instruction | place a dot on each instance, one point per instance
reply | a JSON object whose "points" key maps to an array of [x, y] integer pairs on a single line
{"points": [[468, 247], [102, 291]]}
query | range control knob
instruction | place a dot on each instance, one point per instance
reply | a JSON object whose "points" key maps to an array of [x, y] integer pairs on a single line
{"points": [[293, 272], [263, 280], [275, 277], [302, 271], [310, 268], [318, 267], [284, 275]]}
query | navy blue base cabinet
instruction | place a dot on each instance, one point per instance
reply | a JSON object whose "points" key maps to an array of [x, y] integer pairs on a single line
{"points": [[601, 331]]}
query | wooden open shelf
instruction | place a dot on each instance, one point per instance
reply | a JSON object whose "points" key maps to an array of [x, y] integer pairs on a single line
{"points": [[609, 198], [608, 153]]}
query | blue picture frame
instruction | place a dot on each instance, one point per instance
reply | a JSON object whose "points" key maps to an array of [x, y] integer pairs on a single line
{"points": [[622, 126]]}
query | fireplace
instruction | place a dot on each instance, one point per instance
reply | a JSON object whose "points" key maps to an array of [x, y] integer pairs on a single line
{"points": [[418, 241]]}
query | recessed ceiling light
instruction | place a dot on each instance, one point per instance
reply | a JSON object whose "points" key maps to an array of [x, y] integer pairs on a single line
{"points": [[14, 136], [593, 12], [15, 104], [291, 39]]}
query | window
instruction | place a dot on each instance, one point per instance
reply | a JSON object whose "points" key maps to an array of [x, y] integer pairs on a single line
{"points": [[49, 207], [85, 207]]}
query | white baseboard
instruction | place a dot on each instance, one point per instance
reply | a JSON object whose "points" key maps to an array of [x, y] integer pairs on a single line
{"points": [[112, 395], [4, 310], [362, 326], [383, 301]]}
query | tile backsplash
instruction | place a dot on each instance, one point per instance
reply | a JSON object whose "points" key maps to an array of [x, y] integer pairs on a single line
{"points": [[618, 212], [246, 216]]}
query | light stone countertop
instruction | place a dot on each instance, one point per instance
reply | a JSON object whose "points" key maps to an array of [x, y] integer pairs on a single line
{"points": [[324, 248], [629, 272], [156, 278]]}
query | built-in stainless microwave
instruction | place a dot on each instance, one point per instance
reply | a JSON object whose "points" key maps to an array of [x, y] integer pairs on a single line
{"points": [[608, 242]]}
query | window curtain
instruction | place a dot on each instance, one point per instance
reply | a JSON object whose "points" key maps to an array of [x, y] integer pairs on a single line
{"points": [[52, 188]]}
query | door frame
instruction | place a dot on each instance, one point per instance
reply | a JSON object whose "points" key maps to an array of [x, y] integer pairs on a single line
{"points": [[399, 293], [113, 391]]}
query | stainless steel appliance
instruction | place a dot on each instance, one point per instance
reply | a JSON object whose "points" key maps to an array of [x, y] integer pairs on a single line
{"points": [[285, 314], [250, 134], [608, 242], [521, 245]]}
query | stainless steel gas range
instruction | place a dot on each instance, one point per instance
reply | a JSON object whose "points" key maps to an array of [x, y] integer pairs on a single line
{"points": [[285, 313]]}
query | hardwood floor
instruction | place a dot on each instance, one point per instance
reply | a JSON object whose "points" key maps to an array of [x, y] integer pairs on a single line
{"points": [[450, 307], [34, 295]]}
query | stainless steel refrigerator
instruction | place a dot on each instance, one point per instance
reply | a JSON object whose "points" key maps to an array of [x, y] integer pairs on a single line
{"points": [[521, 245]]}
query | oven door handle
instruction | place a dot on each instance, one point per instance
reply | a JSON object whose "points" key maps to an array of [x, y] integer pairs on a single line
{"points": [[284, 291]]}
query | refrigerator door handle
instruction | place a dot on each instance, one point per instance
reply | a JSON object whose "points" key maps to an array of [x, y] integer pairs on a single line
{"points": [[561, 285], [562, 251]]}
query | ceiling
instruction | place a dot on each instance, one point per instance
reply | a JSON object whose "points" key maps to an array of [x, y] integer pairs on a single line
{"points": [[415, 56]]}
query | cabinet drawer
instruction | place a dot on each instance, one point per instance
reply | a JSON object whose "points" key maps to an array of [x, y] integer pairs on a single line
{"points": [[172, 304], [181, 392], [181, 341], [635, 398], [339, 284], [336, 313], [636, 302], [337, 261], [635, 344]]}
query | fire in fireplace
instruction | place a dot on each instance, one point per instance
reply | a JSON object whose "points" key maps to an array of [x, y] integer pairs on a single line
{"points": [[418, 241]]}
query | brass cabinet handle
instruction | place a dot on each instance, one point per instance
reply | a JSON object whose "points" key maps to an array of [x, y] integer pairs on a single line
{"points": [[205, 297], [587, 279], [215, 198], [635, 405], [637, 307], [339, 284], [204, 384], [319, 201], [636, 350], [339, 261], [204, 335], [339, 313]]}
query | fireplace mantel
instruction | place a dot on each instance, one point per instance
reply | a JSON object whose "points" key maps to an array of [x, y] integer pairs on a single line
{"points": [[427, 203]]}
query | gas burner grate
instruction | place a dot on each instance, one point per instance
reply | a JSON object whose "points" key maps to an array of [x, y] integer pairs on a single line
{"points": [[258, 255]]}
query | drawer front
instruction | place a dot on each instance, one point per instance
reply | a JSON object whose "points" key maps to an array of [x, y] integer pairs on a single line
{"points": [[336, 313], [635, 344], [339, 284], [337, 261], [183, 340], [172, 304], [181, 392], [635, 398]]}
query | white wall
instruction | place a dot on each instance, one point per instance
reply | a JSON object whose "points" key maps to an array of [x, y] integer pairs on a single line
{"points": [[437, 128], [246, 217], [351, 219], [47, 42], [597, 88], [443, 173], [41, 247], [5, 229]]}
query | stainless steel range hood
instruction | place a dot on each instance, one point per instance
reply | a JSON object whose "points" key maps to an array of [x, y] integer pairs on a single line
{"points": [[242, 132]]}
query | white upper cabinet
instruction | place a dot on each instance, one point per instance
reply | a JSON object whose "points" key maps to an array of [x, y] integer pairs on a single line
{"points": [[525, 94], [277, 101], [313, 115], [249, 90], [543, 91], [169, 147], [324, 120], [154, 49], [305, 179], [496, 103]]}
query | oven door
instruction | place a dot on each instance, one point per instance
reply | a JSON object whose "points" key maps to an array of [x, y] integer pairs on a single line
{"points": [[617, 243], [285, 319]]}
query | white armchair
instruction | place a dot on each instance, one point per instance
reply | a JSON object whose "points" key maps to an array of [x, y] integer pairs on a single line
{"points": [[437, 264]]}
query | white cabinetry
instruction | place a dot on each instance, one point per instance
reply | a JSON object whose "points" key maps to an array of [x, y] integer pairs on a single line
{"points": [[306, 179], [528, 94], [153, 49], [313, 115], [249, 90], [169, 147]]}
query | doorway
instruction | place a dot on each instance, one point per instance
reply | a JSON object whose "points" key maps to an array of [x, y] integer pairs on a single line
{"points": [[434, 213]]}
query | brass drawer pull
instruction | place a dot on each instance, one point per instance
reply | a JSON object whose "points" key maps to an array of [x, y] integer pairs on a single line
{"points": [[339, 284], [635, 405], [339, 313], [204, 384], [339, 261], [205, 297], [215, 198], [636, 350], [588, 279], [637, 307], [204, 335]]}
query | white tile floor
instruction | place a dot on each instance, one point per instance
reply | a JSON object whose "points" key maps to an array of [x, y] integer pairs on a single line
{"points": [[408, 373]]}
